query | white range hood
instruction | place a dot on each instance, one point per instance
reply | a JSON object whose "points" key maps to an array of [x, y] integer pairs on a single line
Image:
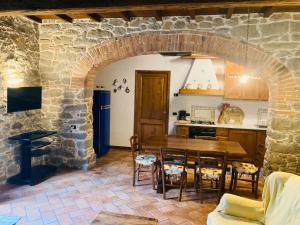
{"points": [[202, 73]]}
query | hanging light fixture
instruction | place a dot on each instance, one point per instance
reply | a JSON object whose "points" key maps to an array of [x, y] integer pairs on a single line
{"points": [[245, 77]]}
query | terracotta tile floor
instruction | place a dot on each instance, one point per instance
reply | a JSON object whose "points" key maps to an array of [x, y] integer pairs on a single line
{"points": [[75, 197]]}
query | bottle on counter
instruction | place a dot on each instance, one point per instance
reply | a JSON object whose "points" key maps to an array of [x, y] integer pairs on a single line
{"points": [[209, 85]]}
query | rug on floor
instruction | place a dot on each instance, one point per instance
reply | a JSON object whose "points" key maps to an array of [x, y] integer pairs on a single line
{"points": [[9, 220]]}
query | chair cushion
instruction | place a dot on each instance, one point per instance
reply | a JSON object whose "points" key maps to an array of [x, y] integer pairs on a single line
{"points": [[244, 168], [210, 173], [172, 169], [145, 160]]}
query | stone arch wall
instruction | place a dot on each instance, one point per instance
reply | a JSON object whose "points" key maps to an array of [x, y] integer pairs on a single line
{"points": [[282, 83]]}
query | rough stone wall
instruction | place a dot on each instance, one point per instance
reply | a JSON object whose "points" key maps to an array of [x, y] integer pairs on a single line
{"points": [[19, 58], [63, 45]]}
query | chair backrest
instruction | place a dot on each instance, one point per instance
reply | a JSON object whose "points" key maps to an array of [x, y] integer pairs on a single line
{"points": [[215, 160], [259, 156], [134, 143], [173, 156]]}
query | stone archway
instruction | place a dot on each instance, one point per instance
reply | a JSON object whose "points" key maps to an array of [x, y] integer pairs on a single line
{"points": [[282, 84]]}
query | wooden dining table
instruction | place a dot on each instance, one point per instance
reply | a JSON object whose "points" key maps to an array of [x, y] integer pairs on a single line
{"points": [[234, 149]]}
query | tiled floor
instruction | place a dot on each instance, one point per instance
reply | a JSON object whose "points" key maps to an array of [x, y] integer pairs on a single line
{"points": [[75, 197]]}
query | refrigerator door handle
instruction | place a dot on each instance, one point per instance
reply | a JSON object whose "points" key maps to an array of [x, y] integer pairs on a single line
{"points": [[104, 107]]}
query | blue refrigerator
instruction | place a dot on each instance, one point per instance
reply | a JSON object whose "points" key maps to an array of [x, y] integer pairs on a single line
{"points": [[101, 124]]}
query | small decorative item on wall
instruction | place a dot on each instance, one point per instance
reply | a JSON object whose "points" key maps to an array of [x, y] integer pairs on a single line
{"points": [[119, 86]]}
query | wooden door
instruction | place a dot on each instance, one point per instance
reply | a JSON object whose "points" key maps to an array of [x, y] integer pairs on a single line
{"points": [[151, 103], [247, 139]]}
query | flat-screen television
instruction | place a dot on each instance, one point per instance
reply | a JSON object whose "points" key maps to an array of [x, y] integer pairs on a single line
{"points": [[24, 98]]}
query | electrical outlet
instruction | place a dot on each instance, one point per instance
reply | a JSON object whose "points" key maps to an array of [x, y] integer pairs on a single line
{"points": [[174, 113], [73, 127]]}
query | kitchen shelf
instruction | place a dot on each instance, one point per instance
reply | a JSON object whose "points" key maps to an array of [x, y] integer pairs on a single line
{"points": [[38, 144], [201, 92]]}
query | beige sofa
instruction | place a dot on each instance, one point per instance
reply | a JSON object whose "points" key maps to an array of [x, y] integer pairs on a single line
{"points": [[280, 205]]}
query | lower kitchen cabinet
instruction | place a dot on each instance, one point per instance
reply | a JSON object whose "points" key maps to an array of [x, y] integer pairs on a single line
{"points": [[182, 131], [247, 139]]}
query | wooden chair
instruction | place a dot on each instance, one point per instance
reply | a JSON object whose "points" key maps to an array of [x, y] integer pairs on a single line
{"points": [[240, 170], [173, 165], [211, 167], [195, 157], [142, 161]]}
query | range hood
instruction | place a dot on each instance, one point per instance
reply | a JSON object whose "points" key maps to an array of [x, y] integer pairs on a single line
{"points": [[204, 73]]}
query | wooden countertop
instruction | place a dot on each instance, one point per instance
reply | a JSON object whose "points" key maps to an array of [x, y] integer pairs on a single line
{"points": [[229, 126]]}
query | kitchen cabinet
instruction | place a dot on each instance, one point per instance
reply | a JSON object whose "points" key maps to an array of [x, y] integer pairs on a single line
{"points": [[232, 88], [222, 132], [182, 131], [247, 139], [252, 89], [263, 90]]}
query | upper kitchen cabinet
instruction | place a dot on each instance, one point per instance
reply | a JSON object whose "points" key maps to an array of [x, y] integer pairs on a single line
{"points": [[248, 89], [263, 90]]}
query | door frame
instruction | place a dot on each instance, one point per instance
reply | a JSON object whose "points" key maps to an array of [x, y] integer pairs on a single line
{"points": [[168, 73]]}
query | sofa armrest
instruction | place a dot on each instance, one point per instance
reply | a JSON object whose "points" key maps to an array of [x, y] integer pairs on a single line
{"points": [[234, 205]]}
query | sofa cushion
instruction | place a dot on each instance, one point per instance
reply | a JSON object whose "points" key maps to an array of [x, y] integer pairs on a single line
{"points": [[218, 218], [234, 205]]}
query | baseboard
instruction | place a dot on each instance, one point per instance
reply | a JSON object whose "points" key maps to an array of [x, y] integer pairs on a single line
{"points": [[119, 147]]}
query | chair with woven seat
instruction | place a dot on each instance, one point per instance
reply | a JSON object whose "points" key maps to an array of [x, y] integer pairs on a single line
{"points": [[211, 167], [142, 161], [251, 168], [173, 169]]}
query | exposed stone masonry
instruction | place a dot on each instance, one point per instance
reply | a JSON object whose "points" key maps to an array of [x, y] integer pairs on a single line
{"points": [[19, 58], [65, 61]]}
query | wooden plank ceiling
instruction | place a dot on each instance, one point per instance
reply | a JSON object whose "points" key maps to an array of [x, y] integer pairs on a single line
{"points": [[97, 10]]}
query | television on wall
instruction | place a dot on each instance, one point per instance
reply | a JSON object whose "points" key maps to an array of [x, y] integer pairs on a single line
{"points": [[24, 98]]}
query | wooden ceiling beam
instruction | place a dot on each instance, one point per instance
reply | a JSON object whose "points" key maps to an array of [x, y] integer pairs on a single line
{"points": [[267, 11], [65, 18], [158, 15], [229, 13], [33, 7], [126, 15], [95, 17], [192, 13], [35, 19]]}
